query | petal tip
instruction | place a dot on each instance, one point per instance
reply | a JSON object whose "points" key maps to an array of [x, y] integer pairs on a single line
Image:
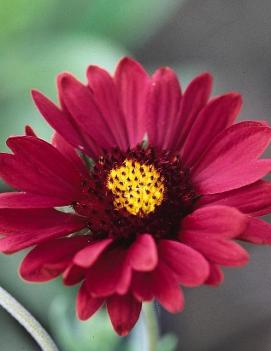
{"points": [[120, 330], [64, 79], [35, 94], [205, 77], [127, 60], [129, 64]]}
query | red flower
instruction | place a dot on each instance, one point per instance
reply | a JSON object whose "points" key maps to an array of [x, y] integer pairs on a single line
{"points": [[146, 215]]}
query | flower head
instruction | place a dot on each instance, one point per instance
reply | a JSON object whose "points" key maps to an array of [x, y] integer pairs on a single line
{"points": [[143, 189]]}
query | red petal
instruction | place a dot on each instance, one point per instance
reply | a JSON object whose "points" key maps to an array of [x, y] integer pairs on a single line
{"points": [[86, 257], [70, 153], [124, 281], [142, 254], [109, 274], [132, 84], [62, 122], [86, 305], [209, 229], [161, 284], [217, 249], [33, 168], [257, 232], [29, 131], [142, 286], [166, 289], [123, 312], [232, 159], [216, 275], [253, 199], [105, 93], [27, 200], [217, 115], [23, 176], [46, 261], [73, 275], [194, 99], [219, 221], [82, 106], [189, 265], [164, 99], [27, 227]]}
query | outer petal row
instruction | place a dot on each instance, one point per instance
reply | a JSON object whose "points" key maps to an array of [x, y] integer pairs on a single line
{"points": [[231, 160], [108, 112], [33, 169], [26, 227], [209, 230], [253, 199], [46, 261]]}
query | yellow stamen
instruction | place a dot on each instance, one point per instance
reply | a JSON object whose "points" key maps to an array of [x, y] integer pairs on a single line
{"points": [[138, 188]]}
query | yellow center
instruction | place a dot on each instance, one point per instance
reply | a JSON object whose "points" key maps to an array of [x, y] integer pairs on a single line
{"points": [[138, 188]]}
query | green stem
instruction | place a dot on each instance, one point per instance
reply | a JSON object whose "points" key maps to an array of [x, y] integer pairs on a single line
{"points": [[151, 326], [34, 328]]}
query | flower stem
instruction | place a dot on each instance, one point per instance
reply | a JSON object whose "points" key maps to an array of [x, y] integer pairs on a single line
{"points": [[151, 326], [34, 328]]}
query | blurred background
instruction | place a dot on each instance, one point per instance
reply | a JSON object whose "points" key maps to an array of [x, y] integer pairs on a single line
{"points": [[232, 40]]}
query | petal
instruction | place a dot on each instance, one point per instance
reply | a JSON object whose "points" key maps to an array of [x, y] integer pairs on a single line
{"points": [[26, 227], [141, 286], [216, 275], [18, 175], [73, 275], [86, 305], [109, 274], [216, 249], [43, 155], [166, 289], [29, 131], [209, 230], [189, 265], [63, 123], [70, 153], [81, 104], [124, 280], [123, 312], [257, 232], [33, 168], [27, 200], [105, 93], [194, 99], [215, 117], [232, 159], [142, 254], [132, 84], [86, 257], [48, 260], [253, 199], [161, 284], [232, 178], [164, 99], [220, 221]]}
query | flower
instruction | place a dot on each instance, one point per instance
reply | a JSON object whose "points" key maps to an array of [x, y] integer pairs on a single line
{"points": [[143, 189]]}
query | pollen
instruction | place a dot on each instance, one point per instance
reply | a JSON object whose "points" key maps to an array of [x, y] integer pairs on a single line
{"points": [[138, 188]]}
